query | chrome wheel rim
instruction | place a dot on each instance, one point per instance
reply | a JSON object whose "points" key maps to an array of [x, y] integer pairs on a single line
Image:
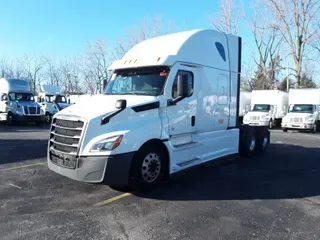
{"points": [[48, 118], [151, 167], [10, 119], [265, 142], [252, 144]]}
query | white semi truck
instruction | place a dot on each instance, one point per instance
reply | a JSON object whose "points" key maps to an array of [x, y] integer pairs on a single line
{"points": [[268, 107], [168, 106], [304, 110], [244, 105], [17, 103], [47, 96]]}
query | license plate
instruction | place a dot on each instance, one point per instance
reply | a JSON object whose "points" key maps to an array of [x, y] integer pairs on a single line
{"points": [[66, 162]]}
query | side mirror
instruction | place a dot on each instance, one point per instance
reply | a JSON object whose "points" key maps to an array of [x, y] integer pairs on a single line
{"points": [[105, 82], [121, 104], [183, 86]]}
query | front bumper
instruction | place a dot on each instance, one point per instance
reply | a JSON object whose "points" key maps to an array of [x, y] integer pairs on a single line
{"points": [[28, 118], [306, 126], [112, 170], [256, 123]]}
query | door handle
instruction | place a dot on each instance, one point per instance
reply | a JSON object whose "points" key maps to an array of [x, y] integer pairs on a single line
{"points": [[193, 120]]}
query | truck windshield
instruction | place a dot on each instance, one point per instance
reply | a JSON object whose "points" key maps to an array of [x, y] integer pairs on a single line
{"points": [[61, 99], [261, 108], [21, 97], [301, 108], [139, 81]]}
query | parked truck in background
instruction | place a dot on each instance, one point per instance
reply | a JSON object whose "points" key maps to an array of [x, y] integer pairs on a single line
{"points": [[268, 107], [46, 98], [172, 102], [303, 111], [244, 104], [17, 102]]}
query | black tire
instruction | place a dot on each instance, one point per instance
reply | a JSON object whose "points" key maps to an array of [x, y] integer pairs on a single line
{"points": [[262, 139], [48, 118], [315, 128], [10, 119], [271, 124], [153, 161], [247, 141], [284, 129]]}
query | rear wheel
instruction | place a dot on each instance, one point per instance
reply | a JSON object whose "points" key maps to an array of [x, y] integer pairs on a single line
{"points": [[247, 141], [263, 139], [149, 166]]}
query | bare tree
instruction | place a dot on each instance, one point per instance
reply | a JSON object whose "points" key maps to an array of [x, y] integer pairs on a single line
{"points": [[32, 66], [296, 21], [228, 17], [268, 39], [5, 67], [53, 72], [96, 62]]}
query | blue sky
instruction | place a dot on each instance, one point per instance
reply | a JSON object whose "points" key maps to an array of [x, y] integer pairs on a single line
{"points": [[62, 27]]}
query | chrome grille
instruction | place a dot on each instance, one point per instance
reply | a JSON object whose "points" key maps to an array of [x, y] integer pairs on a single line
{"points": [[296, 120], [254, 118], [65, 135], [31, 110]]}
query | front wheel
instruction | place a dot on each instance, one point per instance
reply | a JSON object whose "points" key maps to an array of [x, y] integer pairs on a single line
{"points": [[48, 118], [314, 129], [284, 129], [149, 166], [10, 119], [271, 124]]}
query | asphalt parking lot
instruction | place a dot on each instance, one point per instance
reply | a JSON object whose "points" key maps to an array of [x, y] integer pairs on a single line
{"points": [[275, 196]]}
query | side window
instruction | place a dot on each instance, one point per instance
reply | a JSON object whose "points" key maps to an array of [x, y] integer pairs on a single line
{"points": [[12, 97], [4, 97], [174, 86], [221, 50]]}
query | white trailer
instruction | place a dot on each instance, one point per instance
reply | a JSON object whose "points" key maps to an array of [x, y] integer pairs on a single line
{"points": [[171, 103], [303, 112], [17, 103], [244, 105], [47, 96], [268, 107]]}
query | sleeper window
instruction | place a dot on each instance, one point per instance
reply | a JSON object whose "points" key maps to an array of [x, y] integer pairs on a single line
{"points": [[190, 81]]}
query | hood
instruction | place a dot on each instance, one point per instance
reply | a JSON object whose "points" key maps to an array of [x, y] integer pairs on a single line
{"points": [[260, 114], [63, 105], [28, 104], [98, 105], [299, 115]]}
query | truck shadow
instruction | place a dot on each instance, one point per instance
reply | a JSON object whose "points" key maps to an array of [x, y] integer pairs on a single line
{"points": [[285, 171], [23, 127], [18, 150]]}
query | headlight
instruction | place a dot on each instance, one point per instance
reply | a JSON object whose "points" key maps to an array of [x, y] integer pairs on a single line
{"points": [[266, 117], [309, 119], [19, 112], [107, 144]]}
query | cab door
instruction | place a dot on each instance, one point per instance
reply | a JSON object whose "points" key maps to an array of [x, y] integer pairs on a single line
{"points": [[182, 118]]}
